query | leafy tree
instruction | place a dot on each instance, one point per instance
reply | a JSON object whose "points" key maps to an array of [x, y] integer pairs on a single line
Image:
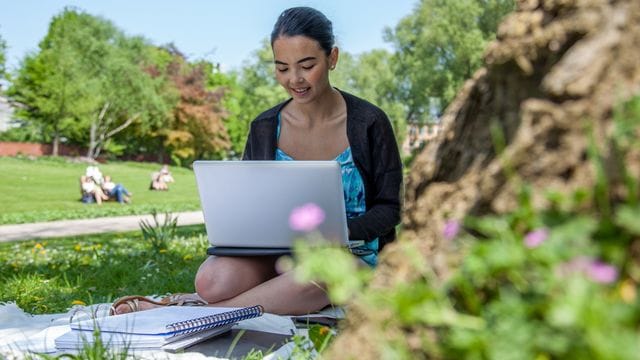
{"points": [[52, 84], [3, 58], [370, 76], [196, 130], [439, 46], [250, 92], [129, 97], [88, 83]]}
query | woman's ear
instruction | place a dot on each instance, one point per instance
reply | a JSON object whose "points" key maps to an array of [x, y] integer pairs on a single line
{"points": [[333, 58]]}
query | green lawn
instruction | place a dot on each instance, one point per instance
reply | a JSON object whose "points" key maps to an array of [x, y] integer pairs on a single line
{"points": [[50, 276], [44, 189]]}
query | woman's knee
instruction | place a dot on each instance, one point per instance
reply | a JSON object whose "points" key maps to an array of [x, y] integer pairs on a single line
{"points": [[210, 282], [221, 278]]}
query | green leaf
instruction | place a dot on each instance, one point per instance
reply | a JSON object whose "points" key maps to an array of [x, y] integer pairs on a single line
{"points": [[628, 217]]}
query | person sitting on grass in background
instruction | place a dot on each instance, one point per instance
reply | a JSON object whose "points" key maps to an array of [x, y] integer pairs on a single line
{"points": [[318, 122], [160, 179], [115, 191], [95, 174], [91, 192]]}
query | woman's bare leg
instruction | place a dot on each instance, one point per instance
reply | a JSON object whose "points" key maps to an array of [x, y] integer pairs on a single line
{"points": [[220, 278], [282, 295], [248, 281]]}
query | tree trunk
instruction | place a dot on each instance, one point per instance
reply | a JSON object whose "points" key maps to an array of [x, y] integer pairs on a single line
{"points": [[93, 130], [55, 144]]}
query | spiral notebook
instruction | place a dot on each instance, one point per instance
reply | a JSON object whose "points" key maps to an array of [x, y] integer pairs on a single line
{"points": [[169, 321], [157, 327], [76, 340]]}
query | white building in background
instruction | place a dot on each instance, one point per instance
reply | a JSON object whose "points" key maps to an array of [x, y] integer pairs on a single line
{"points": [[6, 114], [418, 135]]}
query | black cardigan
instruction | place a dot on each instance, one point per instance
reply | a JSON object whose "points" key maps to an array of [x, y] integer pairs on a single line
{"points": [[375, 154]]}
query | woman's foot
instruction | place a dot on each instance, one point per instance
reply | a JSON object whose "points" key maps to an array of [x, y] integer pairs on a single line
{"points": [[132, 303]]}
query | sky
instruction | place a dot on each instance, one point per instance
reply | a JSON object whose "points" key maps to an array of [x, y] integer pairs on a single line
{"points": [[221, 31]]}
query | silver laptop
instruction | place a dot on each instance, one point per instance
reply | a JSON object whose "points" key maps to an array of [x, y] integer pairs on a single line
{"points": [[247, 204]]}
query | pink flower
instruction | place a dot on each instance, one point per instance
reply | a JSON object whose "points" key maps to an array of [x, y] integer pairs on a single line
{"points": [[595, 270], [451, 229], [306, 217], [602, 273], [536, 238]]}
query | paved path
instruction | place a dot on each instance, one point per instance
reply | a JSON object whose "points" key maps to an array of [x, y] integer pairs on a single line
{"points": [[86, 226]]}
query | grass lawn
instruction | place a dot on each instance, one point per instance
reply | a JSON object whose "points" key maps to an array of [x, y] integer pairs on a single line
{"points": [[51, 276], [48, 188]]}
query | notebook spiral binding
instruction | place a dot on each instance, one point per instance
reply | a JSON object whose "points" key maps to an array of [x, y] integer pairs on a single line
{"points": [[211, 321]]}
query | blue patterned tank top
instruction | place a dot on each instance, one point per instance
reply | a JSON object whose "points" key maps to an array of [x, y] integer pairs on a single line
{"points": [[354, 199]]}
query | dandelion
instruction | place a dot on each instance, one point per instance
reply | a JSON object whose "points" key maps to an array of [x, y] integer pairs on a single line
{"points": [[451, 229], [306, 217], [602, 273], [78, 247], [187, 257], [323, 331], [536, 238], [37, 247]]}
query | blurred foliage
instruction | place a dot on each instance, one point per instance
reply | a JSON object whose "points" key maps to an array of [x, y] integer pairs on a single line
{"points": [[438, 46], [3, 58], [370, 76], [558, 282], [248, 92], [196, 130]]}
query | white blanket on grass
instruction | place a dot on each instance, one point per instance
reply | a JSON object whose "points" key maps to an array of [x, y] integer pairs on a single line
{"points": [[22, 334]]}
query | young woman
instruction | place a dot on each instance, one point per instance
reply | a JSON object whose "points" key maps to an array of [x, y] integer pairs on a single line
{"points": [[318, 122]]}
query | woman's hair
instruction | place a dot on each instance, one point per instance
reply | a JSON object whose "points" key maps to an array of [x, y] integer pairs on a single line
{"points": [[305, 21]]}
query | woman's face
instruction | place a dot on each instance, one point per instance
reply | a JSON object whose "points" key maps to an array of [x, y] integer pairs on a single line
{"points": [[302, 67]]}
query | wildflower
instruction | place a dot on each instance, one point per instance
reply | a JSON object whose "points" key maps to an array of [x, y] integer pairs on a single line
{"points": [[536, 238], [451, 229], [602, 273], [78, 247], [595, 270], [306, 217], [187, 257], [323, 331], [78, 302]]}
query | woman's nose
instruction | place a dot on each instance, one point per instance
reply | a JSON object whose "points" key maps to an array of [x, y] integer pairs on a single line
{"points": [[298, 78]]}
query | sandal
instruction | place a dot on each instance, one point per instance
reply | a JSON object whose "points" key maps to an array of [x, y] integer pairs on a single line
{"points": [[183, 299], [179, 299]]}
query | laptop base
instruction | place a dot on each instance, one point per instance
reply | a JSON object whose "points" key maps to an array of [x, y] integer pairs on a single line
{"points": [[242, 251]]}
